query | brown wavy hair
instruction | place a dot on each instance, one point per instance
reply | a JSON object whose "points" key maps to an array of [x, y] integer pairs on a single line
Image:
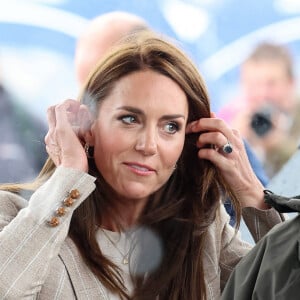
{"points": [[182, 210]]}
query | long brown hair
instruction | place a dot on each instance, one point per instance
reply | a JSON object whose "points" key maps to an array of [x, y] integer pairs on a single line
{"points": [[183, 209]]}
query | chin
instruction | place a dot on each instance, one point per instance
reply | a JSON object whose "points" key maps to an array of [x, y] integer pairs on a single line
{"points": [[136, 191], [137, 195]]}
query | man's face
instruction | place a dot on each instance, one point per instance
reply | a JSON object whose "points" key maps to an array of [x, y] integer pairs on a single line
{"points": [[267, 83]]}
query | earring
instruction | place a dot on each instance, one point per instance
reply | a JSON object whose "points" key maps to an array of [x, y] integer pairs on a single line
{"points": [[175, 167], [87, 151]]}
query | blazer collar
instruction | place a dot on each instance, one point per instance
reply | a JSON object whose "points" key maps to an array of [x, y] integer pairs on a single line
{"points": [[86, 285]]}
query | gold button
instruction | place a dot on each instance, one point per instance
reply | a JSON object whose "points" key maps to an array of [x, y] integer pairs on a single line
{"points": [[68, 201], [61, 211], [53, 222], [74, 194]]}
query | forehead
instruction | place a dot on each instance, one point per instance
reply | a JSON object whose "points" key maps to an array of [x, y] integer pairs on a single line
{"points": [[150, 88], [264, 69]]}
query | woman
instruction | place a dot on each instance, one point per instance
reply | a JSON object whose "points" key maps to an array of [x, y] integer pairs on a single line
{"points": [[128, 206]]}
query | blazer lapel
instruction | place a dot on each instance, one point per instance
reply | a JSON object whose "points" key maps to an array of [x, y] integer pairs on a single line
{"points": [[85, 283]]}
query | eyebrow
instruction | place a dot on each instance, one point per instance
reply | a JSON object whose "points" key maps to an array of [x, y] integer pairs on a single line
{"points": [[140, 112]]}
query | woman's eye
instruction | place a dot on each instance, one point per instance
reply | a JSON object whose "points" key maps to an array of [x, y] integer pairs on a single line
{"points": [[128, 119], [171, 128]]}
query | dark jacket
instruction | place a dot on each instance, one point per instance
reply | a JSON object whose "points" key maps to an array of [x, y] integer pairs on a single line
{"points": [[271, 270]]}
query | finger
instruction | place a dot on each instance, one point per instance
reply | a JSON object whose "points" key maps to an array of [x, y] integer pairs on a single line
{"points": [[192, 127], [85, 119], [207, 124], [220, 161], [51, 125], [66, 113], [214, 124], [211, 138], [72, 109], [51, 117], [236, 133]]}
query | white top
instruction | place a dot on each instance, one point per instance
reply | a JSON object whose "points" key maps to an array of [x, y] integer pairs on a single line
{"points": [[116, 246]]}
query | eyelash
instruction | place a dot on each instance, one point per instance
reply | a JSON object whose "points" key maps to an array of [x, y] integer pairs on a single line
{"points": [[134, 119], [122, 118]]}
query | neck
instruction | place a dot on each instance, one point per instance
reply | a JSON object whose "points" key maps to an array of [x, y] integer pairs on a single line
{"points": [[128, 211]]}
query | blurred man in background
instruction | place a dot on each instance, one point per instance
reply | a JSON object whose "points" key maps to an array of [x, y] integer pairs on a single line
{"points": [[268, 112], [100, 35]]}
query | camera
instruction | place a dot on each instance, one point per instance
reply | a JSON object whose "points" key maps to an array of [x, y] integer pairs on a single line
{"points": [[261, 121]]}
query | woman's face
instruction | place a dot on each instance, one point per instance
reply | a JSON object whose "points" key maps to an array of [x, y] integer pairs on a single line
{"points": [[139, 133]]}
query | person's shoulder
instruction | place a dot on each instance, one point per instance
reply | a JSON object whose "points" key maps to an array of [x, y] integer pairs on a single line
{"points": [[11, 203]]}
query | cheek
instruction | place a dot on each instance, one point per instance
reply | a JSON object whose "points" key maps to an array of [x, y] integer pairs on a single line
{"points": [[105, 147], [107, 144], [105, 151], [172, 153]]}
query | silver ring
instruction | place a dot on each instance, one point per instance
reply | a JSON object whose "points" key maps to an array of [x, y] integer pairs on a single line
{"points": [[227, 148]]}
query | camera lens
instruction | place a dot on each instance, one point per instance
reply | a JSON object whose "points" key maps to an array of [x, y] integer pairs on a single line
{"points": [[261, 123]]}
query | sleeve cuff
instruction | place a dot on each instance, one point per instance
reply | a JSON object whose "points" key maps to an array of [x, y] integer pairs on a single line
{"points": [[64, 191], [260, 221]]}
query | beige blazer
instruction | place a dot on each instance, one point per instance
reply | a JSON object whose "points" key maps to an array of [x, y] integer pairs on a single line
{"points": [[39, 261]]}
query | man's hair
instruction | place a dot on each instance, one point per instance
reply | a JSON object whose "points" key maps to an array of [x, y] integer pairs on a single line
{"points": [[272, 52]]}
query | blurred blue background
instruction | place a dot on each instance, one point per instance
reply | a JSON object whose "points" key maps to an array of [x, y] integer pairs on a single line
{"points": [[37, 39]]}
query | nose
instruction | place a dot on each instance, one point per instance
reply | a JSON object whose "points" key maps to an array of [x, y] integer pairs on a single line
{"points": [[147, 142], [264, 92]]}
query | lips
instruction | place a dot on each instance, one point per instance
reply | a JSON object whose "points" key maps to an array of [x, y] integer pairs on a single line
{"points": [[139, 167]]}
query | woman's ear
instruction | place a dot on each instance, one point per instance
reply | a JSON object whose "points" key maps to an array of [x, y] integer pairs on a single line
{"points": [[89, 136]]}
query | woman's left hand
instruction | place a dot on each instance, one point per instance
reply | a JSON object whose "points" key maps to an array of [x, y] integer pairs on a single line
{"points": [[235, 166]]}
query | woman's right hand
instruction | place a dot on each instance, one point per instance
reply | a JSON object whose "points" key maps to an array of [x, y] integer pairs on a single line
{"points": [[67, 123]]}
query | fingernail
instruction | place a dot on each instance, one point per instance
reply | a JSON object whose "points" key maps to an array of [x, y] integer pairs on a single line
{"points": [[193, 126]]}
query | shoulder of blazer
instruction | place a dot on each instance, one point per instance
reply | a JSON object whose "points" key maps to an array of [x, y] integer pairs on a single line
{"points": [[10, 205]]}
